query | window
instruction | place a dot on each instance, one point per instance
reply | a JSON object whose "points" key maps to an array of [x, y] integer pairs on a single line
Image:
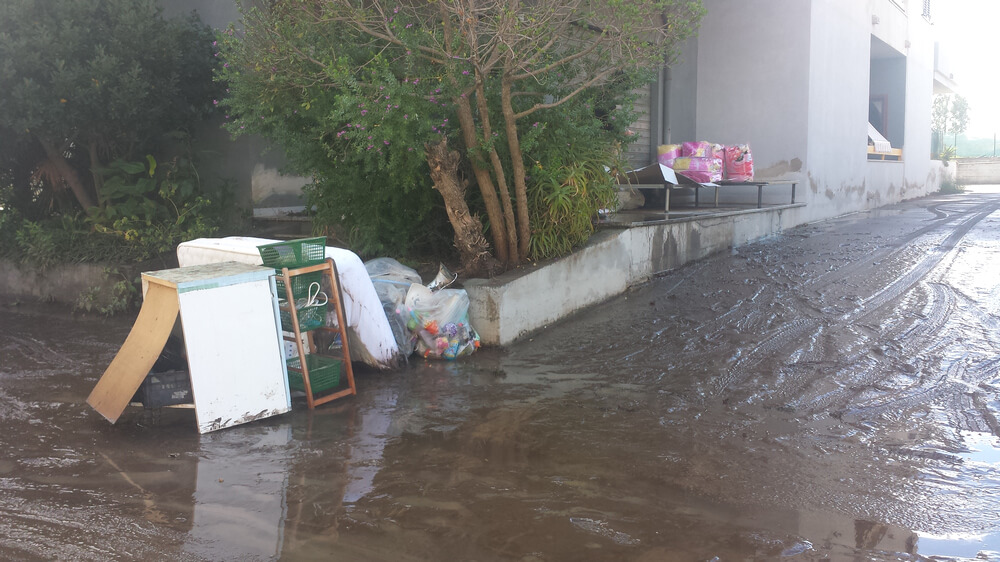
{"points": [[886, 101]]}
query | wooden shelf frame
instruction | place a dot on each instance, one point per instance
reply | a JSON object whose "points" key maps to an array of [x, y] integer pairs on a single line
{"points": [[336, 298]]}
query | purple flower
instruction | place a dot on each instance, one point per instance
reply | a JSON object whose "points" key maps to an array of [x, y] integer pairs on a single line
{"points": [[465, 72], [214, 42], [386, 142], [225, 65], [408, 26], [215, 102], [364, 111], [406, 116]]}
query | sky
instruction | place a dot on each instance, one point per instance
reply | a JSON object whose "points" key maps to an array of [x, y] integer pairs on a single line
{"points": [[969, 30]]}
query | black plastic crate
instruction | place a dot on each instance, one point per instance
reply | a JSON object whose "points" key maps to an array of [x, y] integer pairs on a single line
{"points": [[168, 388]]}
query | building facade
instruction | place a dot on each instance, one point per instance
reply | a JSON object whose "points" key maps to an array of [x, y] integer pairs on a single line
{"points": [[800, 81]]}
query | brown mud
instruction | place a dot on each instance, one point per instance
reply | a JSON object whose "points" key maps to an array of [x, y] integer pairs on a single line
{"points": [[832, 393]]}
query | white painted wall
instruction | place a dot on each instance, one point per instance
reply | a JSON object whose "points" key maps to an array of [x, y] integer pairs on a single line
{"points": [[838, 110], [753, 65], [791, 78]]}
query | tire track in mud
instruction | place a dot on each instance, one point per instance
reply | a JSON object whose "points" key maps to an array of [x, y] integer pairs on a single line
{"points": [[959, 378], [859, 371], [792, 332]]}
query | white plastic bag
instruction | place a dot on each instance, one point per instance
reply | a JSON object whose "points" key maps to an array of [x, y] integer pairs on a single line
{"points": [[440, 322]]}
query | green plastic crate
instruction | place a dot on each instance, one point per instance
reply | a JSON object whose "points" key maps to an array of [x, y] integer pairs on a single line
{"points": [[324, 373], [294, 253], [310, 318]]}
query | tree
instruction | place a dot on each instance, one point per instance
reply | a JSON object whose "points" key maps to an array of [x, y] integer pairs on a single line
{"points": [[89, 81], [496, 68], [939, 119], [949, 114], [959, 116]]}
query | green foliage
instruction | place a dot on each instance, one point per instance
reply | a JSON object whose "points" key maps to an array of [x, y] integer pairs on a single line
{"points": [[121, 296], [950, 186], [108, 69], [96, 80], [354, 90], [946, 154], [565, 197], [148, 210], [362, 142], [153, 207], [38, 245]]}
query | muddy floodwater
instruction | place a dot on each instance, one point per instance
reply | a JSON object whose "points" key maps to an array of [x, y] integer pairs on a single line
{"points": [[831, 393]]}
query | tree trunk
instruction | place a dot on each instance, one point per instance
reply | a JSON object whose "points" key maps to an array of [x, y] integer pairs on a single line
{"points": [[517, 163], [95, 164], [508, 208], [68, 174], [473, 249], [493, 210]]}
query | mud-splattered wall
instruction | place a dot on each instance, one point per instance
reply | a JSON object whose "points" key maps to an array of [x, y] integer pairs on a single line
{"points": [[791, 78]]}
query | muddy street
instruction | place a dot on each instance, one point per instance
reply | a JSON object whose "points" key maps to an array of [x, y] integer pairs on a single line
{"points": [[831, 393]]}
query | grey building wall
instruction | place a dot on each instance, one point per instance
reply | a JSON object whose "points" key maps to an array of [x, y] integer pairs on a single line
{"points": [[791, 78], [753, 87], [246, 162]]}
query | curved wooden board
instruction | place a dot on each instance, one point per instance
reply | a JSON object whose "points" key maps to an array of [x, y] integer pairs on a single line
{"points": [[141, 349]]}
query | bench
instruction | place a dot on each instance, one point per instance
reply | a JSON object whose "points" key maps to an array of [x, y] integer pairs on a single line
{"points": [[699, 186], [760, 189]]}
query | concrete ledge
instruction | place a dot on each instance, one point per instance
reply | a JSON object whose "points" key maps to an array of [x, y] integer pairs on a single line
{"points": [[520, 302], [61, 283]]}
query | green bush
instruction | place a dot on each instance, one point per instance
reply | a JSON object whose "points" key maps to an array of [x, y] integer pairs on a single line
{"points": [[950, 186], [148, 210]]}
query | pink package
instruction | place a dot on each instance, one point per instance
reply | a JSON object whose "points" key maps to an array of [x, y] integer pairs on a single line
{"points": [[739, 163], [667, 153], [699, 149], [701, 170]]}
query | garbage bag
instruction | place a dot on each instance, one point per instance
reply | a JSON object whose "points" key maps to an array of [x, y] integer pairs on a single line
{"points": [[439, 322], [667, 153], [392, 280], [739, 163], [392, 270]]}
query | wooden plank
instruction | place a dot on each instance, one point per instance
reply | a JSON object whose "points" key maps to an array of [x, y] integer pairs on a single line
{"points": [[141, 349]]}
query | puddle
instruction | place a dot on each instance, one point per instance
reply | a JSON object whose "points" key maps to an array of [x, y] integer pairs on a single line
{"points": [[961, 546], [761, 404], [983, 448]]}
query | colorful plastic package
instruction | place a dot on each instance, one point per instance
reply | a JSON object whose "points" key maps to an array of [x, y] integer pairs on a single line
{"points": [[667, 153], [739, 163]]}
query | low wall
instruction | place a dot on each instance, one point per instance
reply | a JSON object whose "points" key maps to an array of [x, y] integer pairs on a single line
{"points": [[66, 283], [977, 171], [517, 303]]}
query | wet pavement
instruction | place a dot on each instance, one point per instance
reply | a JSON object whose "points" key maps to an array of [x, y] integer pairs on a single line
{"points": [[832, 393]]}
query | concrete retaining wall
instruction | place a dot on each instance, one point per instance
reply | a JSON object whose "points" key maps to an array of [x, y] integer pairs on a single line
{"points": [[517, 303], [977, 171], [63, 283]]}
